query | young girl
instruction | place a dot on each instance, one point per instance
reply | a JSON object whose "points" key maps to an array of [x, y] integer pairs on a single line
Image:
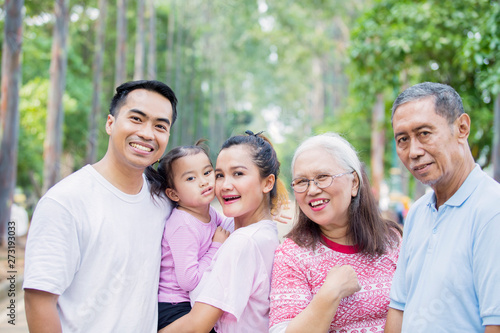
{"points": [[193, 232], [233, 294]]}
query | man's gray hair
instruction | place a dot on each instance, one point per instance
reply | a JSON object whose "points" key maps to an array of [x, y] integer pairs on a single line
{"points": [[447, 102]]}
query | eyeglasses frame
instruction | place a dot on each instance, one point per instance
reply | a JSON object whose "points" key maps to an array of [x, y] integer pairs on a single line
{"points": [[315, 182]]}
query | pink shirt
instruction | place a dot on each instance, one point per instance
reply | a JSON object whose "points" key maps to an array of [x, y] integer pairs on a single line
{"points": [[239, 279], [298, 273], [187, 251]]}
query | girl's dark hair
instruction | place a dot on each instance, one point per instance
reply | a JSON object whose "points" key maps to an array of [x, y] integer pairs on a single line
{"points": [[265, 158], [367, 229], [163, 177]]}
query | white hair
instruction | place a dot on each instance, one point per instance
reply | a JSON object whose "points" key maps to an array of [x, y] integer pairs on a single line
{"points": [[338, 147]]}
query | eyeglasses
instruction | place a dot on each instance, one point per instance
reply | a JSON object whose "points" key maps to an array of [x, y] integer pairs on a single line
{"points": [[301, 185]]}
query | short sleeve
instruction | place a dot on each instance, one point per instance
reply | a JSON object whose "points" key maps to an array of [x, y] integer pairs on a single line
{"points": [[290, 292], [230, 281], [52, 251], [486, 271], [399, 292]]}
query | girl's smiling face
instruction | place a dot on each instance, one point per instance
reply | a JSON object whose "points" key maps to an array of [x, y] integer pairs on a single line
{"points": [[240, 189]]}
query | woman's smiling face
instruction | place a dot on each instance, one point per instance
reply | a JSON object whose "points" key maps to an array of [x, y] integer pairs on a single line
{"points": [[328, 207], [239, 187]]}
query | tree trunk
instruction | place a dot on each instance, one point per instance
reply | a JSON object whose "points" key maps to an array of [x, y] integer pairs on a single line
{"points": [[377, 145], [9, 106], [318, 91], [152, 41], [121, 42], [170, 46], [178, 79], [97, 83], [52, 149], [496, 141], [139, 43]]}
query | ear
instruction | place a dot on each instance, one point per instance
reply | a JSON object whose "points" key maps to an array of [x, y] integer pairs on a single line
{"points": [[462, 127], [109, 123], [355, 185], [268, 183], [172, 194]]}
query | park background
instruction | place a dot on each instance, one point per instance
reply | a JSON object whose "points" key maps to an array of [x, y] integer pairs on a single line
{"points": [[289, 68]]}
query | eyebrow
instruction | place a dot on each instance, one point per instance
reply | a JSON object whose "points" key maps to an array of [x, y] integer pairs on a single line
{"points": [[233, 168], [192, 171], [316, 173], [165, 120], [416, 129]]}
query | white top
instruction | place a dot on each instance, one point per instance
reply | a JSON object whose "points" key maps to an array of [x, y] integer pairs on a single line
{"points": [[239, 279], [100, 250]]}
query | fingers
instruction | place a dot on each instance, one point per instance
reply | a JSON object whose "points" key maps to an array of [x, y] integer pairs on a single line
{"points": [[220, 235], [343, 280], [283, 218]]}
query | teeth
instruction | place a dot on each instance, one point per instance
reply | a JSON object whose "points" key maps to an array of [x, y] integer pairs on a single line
{"points": [[319, 202], [231, 198], [135, 145]]}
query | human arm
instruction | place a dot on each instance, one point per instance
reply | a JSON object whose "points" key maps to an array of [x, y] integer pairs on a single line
{"points": [[201, 318], [285, 215], [294, 307], [185, 242], [394, 321], [486, 272], [492, 329], [340, 282], [51, 261], [41, 311]]}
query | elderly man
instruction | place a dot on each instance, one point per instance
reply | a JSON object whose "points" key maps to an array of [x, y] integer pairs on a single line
{"points": [[448, 274], [94, 246]]}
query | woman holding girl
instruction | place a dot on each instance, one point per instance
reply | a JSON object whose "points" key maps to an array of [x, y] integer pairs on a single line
{"points": [[193, 232], [333, 273], [233, 294]]}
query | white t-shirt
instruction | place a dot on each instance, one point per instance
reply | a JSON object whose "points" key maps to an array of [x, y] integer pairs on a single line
{"points": [[100, 250], [239, 279]]}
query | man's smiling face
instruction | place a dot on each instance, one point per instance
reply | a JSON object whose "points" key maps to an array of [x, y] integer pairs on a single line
{"points": [[140, 129]]}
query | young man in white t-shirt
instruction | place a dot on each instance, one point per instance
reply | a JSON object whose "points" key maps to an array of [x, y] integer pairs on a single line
{"points": [[94, 247]]}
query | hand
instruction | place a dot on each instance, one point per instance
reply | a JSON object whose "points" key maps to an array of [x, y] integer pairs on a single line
{"points": [[285, 214], [340, 282], [220, 235], [283, 218]]}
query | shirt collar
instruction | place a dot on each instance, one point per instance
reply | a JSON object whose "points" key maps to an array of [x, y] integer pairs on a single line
{"points": [[465, 190]]}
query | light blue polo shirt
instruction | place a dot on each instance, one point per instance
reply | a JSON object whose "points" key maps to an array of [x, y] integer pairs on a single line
{"points": [[448, 273]]}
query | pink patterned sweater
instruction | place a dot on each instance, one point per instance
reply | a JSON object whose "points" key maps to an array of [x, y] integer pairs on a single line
{"points": [[298, 274]]}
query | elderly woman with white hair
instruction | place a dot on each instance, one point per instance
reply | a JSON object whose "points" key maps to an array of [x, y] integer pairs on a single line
{"points": [[334, 270]]}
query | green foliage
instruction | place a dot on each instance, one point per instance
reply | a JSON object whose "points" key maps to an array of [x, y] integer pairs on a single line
{"points": [[32, 109], [398, 43], [234, 61]]}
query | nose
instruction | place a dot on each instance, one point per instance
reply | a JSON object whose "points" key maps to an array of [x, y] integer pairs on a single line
{"points": [[415, 149], [313, 188], [146, 132], [203, 181], [225, 183]]}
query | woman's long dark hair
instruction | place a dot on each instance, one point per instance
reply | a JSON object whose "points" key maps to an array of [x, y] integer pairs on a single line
{"points": [[367, 229]]}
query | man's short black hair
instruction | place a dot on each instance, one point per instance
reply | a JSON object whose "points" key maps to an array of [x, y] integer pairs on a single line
{"points": [[152, 85]]}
